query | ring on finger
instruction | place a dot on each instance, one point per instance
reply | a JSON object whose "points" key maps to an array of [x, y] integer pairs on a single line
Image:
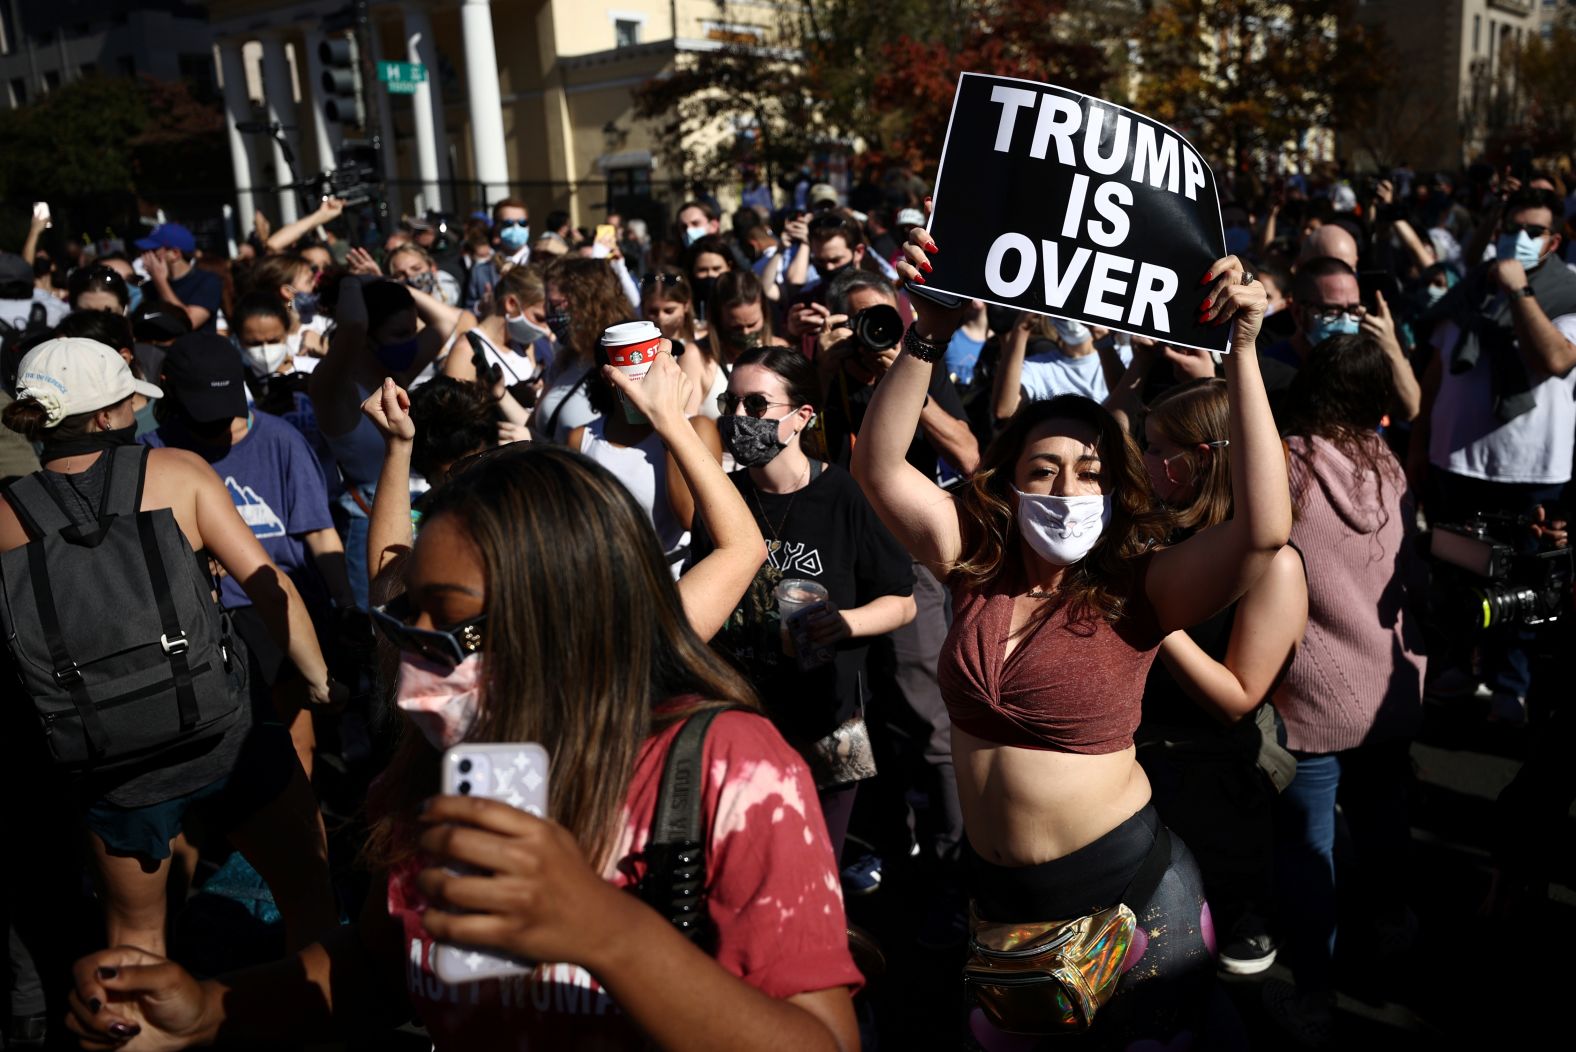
{"points": [[1247, 277]]}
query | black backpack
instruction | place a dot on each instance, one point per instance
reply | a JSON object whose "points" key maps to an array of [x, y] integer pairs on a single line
{"points": [[17, 341], [113, 626]]}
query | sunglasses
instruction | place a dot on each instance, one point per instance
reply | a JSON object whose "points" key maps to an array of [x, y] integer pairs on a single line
{"points": [[513, 222], [444, 646], [1532, 229], [667, 281], [827, 221], [754, 404], [1165, 462], [1334, 314]]}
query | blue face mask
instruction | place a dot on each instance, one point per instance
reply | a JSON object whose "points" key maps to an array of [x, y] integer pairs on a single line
{"points": [[1320, 329], [1521, 247], [136, 298], [397, 357], [514, 237], [306, 305], [1436, 293]]}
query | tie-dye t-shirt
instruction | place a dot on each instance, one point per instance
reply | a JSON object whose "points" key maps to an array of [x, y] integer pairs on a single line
{"points": [[773, 893]]}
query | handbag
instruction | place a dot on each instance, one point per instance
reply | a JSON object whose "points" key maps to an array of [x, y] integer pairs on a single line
{"points": [[1052, 977]]}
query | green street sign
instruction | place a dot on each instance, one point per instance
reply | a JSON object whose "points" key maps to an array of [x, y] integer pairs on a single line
{"points": [[402, 77]]}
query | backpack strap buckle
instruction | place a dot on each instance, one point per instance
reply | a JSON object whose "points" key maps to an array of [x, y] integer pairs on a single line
{"points": [[178, 645], [70, 676]]}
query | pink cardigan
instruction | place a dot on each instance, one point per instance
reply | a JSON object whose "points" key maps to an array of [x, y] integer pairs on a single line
{"points": [[1358, 676]]}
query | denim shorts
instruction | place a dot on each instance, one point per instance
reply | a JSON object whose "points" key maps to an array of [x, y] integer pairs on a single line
{"points": [[262, 771]]}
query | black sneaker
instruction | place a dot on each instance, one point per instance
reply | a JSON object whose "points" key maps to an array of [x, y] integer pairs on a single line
{"points": [[1251, 949]]}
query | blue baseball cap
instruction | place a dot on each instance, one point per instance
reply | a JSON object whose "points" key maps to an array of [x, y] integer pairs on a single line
{"points": [[169, 235]]}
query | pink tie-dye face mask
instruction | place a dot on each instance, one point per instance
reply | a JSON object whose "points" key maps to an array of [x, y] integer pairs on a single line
{"points": [[444, 703]]}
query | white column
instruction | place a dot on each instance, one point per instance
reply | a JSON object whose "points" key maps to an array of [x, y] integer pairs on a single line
{"points": [[481, 81], [325, 133], [280, 99], [378, 95], [238, 107], [427, 106]]}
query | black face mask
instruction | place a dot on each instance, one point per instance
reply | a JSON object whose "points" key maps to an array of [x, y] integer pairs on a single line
{"points": [[828, 273], [213, 432], [92, 442], [753, 442]]}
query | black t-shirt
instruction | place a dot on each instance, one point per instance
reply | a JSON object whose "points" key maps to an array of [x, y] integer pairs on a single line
{"points": [[828, 533], [200, 288], [844, 413]]}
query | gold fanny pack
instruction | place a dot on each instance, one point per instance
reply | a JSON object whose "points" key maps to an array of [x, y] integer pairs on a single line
{"points": [[1052, 977]]}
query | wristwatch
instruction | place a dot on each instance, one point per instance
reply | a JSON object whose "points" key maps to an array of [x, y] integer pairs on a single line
{"points": [[1525, 292], [925, 350]]}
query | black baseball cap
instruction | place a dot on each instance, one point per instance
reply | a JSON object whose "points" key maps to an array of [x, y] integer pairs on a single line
{"points": [[203, 372]]}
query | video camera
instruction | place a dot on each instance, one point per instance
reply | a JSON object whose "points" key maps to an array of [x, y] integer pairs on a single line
{"points": [[355, 179], [1483, 580]]}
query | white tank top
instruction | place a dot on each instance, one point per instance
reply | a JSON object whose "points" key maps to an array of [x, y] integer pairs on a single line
{"points": [[643, 469], [719, 384]]}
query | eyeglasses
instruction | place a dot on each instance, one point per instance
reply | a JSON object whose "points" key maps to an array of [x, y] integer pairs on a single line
{"points": [[445, 646], [1331, 315], [513, 222], [667, 281], [1165, 462], [1532, 229], [754, 404], [827, 221]]}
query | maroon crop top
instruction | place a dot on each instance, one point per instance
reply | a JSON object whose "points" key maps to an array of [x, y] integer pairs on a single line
{"points": [[1069, 687]]}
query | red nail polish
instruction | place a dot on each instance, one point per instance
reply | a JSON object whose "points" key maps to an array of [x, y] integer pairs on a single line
{"points": [[1206, 280], [926, 267], [932, 247], [919, 279], [1207, 304]]}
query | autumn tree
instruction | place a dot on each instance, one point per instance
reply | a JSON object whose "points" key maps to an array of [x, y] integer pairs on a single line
{"points": [[1544, 117], [1242, 78]]}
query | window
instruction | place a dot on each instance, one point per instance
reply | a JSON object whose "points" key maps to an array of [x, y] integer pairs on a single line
{"points": [[51, 80], [18, 91], [88, 69], [1477, 33], [626, 32]]}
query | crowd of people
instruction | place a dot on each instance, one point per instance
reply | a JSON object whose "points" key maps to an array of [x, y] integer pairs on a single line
{"points": [[1086, 649]]}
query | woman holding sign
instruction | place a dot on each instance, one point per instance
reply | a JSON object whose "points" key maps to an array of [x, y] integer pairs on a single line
{"points": [[1063, 593]]}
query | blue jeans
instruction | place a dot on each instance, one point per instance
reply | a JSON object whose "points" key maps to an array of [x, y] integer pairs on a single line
{"points": [[1370, 783], [1454, 499]]}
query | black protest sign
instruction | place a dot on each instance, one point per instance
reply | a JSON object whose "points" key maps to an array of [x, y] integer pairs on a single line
{"points": [[1050, 201]]}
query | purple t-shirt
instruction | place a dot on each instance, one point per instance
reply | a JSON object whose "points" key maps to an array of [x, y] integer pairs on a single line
{"points": [[277, 485]]}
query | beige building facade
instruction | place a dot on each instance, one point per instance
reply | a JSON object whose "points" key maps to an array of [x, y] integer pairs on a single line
{"points": [[1450, 58], [523, 98]]}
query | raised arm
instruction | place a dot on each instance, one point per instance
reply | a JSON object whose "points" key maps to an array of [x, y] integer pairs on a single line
{"points": [[1191, 581], [919, 513], [1381, 326], [1270, 621], [1545, 349], [713, 587], [288, 235], [331, 387], [1007, 391], [1126, 398], [389, 533]]}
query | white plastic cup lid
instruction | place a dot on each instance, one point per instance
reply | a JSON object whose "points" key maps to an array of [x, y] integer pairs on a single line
{"points": [[630, 332]]}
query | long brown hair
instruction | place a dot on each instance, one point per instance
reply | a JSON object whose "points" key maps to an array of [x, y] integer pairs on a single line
{"points": [[1341, 394], [1097, 585], [582, 676], [595, 301], [1190, 414]]}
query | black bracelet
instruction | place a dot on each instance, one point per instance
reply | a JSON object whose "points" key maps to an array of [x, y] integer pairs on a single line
{"points": [[927, 351]]}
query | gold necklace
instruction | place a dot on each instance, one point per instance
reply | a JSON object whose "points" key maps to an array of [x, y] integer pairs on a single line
{"points": [[755, 496]]}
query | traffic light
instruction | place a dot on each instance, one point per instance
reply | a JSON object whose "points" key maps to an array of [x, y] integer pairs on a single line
{"points": [[342, 102]]}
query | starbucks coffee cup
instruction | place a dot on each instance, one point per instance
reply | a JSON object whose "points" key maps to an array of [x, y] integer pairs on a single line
{"points": [[631, 348]]}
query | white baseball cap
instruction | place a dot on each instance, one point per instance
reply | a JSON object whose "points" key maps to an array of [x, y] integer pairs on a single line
{"points": [[910, 217], [1072, 332], [73, 375]]}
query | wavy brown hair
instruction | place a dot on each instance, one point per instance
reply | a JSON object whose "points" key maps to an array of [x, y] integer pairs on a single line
{"points": [[582, 677], [595, 301], [1098, 585], [1189, 414]]}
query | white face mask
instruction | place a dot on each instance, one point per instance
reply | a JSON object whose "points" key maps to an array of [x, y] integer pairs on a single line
{"points": [[265, 358], [522, 330], [443, 702], [1062, 530], [693, 234]]}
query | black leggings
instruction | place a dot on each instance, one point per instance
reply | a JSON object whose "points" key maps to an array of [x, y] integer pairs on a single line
{"points": [[1167, 989]]}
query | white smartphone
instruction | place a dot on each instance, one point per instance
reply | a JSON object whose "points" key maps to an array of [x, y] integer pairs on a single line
{"points": [[41, 212], [513, 773]]}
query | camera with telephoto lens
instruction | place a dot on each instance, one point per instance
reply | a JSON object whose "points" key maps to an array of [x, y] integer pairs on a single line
{"points": [[878, 328], [1482, 579]]}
